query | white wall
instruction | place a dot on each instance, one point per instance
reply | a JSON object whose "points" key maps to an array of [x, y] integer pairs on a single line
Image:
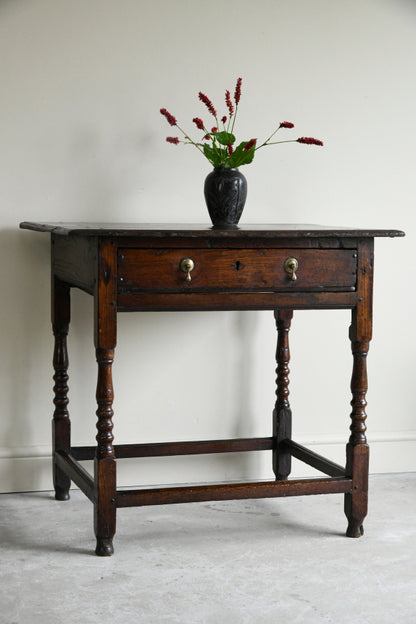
{"points": [[81, 138]]}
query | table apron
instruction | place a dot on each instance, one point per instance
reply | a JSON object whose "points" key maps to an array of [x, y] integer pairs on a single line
{"points": [[235, 301]]}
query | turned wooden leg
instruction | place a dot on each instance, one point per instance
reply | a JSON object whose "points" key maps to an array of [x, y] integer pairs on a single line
{"points": [[357, 447], [105, 465], [105, 330], [61, 425], [282, 414], [360, 334]]}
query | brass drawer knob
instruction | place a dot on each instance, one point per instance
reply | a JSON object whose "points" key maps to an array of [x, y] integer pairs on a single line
{"points": [[187, 265], [291, 265]]}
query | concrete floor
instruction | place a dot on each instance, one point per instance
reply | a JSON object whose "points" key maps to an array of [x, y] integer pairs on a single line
{"points": [[261, 561]]}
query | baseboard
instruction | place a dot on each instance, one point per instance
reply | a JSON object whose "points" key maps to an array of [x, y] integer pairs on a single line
{"points": [[28, 469]]}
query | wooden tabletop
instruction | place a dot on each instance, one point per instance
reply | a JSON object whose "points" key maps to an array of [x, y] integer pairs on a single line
{"points": [[164, 230]]}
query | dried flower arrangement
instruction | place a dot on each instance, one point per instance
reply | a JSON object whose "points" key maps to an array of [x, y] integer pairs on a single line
{"points": [[219, 144]]}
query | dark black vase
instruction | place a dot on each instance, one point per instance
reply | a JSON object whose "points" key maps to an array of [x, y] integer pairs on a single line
{"points": [[225, 191]]}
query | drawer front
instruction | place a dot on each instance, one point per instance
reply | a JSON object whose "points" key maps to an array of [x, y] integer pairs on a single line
{"points": [[239, 270]]}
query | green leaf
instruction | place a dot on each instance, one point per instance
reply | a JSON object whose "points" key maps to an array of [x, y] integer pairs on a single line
{"points": [[213, 156], [240, 157], [224, 137]]}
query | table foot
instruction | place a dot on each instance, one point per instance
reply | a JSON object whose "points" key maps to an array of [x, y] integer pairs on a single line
{"points": [[354, 530], [104, 547], [281, 477], [61, 494]]}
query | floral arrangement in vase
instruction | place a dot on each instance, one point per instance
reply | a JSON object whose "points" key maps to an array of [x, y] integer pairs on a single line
{"points": [[225, 187]]}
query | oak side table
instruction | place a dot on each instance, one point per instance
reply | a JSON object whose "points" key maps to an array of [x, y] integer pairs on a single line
{"points": [[191, 267]]}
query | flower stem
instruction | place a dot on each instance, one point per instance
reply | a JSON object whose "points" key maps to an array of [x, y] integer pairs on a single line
{"points": [[235, 115], [270, 137], [277, 142], [186, 135]]}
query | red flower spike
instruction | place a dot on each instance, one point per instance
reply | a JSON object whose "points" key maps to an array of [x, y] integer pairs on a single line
{"points": [[199, 123], [224, 119], [214, 129], [171, 119], [250, 144], [207, 137], [286, 124], [230, 149], [228, 102], [309, 141], [173, 140], [207, 103], [237, 92]]}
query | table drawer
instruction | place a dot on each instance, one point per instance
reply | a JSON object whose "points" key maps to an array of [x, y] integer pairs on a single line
{"points": [[247, 270]]}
